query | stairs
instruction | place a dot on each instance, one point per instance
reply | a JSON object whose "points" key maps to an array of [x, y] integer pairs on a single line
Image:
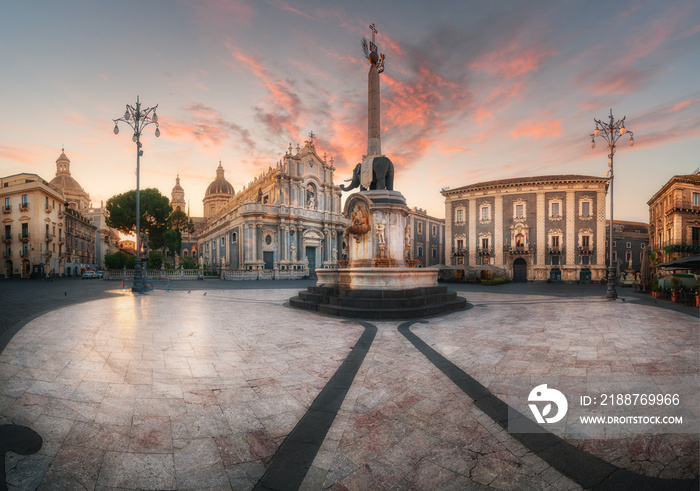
{"points": [[379, 304]]}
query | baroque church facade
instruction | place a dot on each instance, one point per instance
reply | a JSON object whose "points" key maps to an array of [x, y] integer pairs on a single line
{"points": [[288, 218]]}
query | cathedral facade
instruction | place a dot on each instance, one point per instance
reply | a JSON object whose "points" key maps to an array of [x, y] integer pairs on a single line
{"points": [[288, 218]]}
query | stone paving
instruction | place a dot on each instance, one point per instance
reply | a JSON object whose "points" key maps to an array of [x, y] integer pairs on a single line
{"points": [[198, 391]]}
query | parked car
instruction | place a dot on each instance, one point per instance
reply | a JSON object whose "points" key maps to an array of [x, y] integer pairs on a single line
{"points": [[89, 275], [100, 273]]}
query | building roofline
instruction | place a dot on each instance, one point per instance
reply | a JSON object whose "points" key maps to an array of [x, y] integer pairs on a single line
{"points": [[520, 181], [683, 178]]}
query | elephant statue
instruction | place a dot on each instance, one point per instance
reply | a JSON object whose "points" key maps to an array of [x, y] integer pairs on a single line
{"points": [[382, 175]]}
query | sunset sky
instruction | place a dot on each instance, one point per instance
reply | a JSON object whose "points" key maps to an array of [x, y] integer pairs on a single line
{"points": [[472, 91]]}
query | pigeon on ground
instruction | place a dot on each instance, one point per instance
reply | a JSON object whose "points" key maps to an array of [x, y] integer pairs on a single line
{"points": [[205, 293]]}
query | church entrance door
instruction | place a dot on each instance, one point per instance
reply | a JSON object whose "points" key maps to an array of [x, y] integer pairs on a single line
{"points": [[311, 256], [269, 259], [519, 271]]}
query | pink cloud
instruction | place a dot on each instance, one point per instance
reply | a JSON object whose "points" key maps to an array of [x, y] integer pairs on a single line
{"points": [[285, 6], [512, 60], [536, 131], [206, 126]]}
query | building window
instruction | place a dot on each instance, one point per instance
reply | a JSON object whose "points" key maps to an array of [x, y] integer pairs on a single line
{"points": [[234, 237], [614, 256], [629, 245], [644, 246], [434, 230], [223, 241], [459, 215], [555, 209], [460, 244], [585, 241], [485, 213], [555, 260], [420, 251], [419, 227], [696, 199], [485, 243], [555, 241], [628, 256], [519, 211], [7, 202], [585, 208], [614, 243], [434, 251], [24, 199], [585, 260]]}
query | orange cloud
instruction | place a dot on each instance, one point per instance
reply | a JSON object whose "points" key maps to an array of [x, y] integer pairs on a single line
{"points": [[206, 126], [684, 105], [512, 60], [536, 131]]}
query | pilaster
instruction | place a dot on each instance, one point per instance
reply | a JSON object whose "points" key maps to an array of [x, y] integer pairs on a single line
{"points": [[498, 229], [571, 231], [449, 260], [472, 239], [600, 229], [541, 232]]}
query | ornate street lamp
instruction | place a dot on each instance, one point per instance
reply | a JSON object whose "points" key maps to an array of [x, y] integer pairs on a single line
{"points": [[138, 119], [611, 132]]}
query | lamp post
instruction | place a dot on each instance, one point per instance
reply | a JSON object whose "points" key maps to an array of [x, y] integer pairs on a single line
{"points": [[138, 119], [611, 132]]}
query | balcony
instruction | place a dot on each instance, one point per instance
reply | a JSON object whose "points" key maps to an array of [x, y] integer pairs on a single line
{"points": [[48, 209], [61, 240], [555, 250], [48, 237], [23, 236], [585, 250], [60, 215], [24, 254], [484, 251], [519, 249], [48, 254], [23, 206], [681, 205], [459, 251], [7, 209], [7, 239]]}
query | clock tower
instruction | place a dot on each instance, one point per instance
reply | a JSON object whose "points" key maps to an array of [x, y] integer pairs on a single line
{"points": [[177, 200]]}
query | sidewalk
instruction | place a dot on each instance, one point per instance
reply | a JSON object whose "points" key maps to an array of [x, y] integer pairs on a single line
{"points": [[202, 387]]}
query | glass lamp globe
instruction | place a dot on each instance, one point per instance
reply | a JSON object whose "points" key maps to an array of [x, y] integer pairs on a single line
{"points": [[127, 115], [631, 143], [116, 129], [592, 144], [134, 137], [596, 132], [157, 132], [155, 117], [623, 130]]}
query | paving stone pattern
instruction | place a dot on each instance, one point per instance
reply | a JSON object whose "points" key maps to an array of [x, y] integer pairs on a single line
{"points": [[182, 390]]}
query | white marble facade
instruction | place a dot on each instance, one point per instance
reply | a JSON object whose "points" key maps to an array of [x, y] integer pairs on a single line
{"points": [[288, 218]]}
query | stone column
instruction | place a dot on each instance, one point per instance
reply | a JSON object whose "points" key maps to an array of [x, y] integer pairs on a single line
{"points": [[472, 239], [449, 240], [374, 146], [600, 229], [541, 232], [498, 230], [570, 231]]}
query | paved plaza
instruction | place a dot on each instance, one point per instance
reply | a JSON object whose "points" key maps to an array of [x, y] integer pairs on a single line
{"points": [[221, 385]]}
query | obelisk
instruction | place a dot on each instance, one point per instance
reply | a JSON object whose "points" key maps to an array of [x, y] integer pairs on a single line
{"points": [[374, 143]]}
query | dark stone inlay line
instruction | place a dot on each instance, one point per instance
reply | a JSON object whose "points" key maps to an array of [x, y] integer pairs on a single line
{"points": [[587, 470], [297, 452], [20, 440]]}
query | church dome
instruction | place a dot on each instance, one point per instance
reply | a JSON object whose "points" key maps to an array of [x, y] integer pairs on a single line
{"points": [[63, 179], [177, 186], [220, 185]]}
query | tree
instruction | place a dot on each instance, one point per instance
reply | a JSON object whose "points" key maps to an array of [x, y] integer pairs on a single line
{"points": [[119, 260], [180, 222], [155, 260], [155, 213]]}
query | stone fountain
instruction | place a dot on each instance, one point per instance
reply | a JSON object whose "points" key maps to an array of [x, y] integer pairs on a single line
{"points": [[378, 280]]}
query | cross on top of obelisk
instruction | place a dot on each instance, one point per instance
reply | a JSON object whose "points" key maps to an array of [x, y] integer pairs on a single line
{"points": [[373, 46]]}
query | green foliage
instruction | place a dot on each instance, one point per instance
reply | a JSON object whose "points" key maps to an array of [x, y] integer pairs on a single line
{"points": [[180, 222], [155, 212], [496, 281], [655, 284], [675, 283], [188, 263], [155, 260], [119, 260]]}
